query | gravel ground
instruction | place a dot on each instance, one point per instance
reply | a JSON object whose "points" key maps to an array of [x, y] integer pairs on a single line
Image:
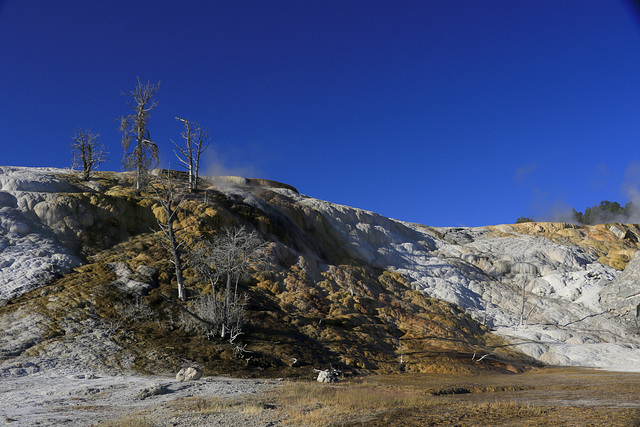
{"points": [[30, 396]]}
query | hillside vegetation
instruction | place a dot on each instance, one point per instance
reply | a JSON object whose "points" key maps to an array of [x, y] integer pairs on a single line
{"points": [[315, 306]]}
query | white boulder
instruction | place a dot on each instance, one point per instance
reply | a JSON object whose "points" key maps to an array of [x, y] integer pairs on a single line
{"points": [[191, 373]]}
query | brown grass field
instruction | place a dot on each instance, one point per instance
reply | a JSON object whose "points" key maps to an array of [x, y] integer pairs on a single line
{"points": [[550, 396]]}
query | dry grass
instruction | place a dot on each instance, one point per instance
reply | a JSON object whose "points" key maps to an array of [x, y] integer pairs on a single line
{"points": [[563, 397], [359, 403], [567, 397], [316, 404], [129, 421], [213, 405]]}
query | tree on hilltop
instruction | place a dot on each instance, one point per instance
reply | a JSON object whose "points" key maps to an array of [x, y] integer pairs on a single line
{"points": [[196, 140], [144, 154], [87, 151]]}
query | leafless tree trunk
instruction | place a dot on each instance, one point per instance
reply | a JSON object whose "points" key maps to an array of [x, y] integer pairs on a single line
{"points": [[186, 153], [196, 140], [87, 152], [202, 143], [174, 238], [144, 155]]}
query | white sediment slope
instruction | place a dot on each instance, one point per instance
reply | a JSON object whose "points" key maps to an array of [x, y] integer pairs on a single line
{"points": [[572, 312], [31, 253]]}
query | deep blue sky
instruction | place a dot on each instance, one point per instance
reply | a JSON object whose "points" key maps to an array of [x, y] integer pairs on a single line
{"points": [[446, 113]]}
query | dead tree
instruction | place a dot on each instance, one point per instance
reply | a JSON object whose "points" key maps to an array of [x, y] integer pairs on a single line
{"points": [[144, 153], [235, 253], [196, 140], [174, 236], [230, 257], [87, 152], [202, 143]]}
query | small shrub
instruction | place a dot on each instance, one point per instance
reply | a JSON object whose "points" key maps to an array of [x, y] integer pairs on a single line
{"points": [[137, 310]]}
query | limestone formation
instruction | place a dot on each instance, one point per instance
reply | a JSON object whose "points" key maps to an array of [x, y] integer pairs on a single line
{"points": [[556, 291], [622, 296]]}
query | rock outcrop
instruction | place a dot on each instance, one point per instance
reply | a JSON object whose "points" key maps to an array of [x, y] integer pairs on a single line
{"points": [[138, 283], [48, 224]]}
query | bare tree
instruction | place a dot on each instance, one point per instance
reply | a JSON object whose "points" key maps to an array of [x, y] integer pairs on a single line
{"points": [[174, 236], [196, 140], [144, 154], [230, 257], [87, 151]]}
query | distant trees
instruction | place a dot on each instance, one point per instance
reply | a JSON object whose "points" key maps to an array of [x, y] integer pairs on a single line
{"points": [[196, 141], [605, 212], [140, 152], [522, 219], [88, 153]]}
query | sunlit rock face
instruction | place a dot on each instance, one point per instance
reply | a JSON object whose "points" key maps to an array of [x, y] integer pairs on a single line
{"points": [[622, 296], [552, 289], [30, 252]]}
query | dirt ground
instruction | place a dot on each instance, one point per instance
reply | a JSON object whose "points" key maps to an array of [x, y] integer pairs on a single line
{"points": [[549, 396]]}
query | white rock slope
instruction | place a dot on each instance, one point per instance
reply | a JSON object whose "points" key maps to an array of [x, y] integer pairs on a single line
{"points": [[30, 251]]}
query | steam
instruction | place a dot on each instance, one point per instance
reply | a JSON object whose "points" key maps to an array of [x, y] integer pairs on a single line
{"points": [[631, 188], [560, 211], [214, 166], [547, 209], [521, 173]]}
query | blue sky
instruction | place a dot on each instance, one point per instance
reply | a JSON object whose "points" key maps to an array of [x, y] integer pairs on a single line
{"points": [[446, 113]]}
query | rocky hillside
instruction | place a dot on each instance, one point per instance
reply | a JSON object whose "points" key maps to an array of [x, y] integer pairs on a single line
{"points": [[84, 279]]}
